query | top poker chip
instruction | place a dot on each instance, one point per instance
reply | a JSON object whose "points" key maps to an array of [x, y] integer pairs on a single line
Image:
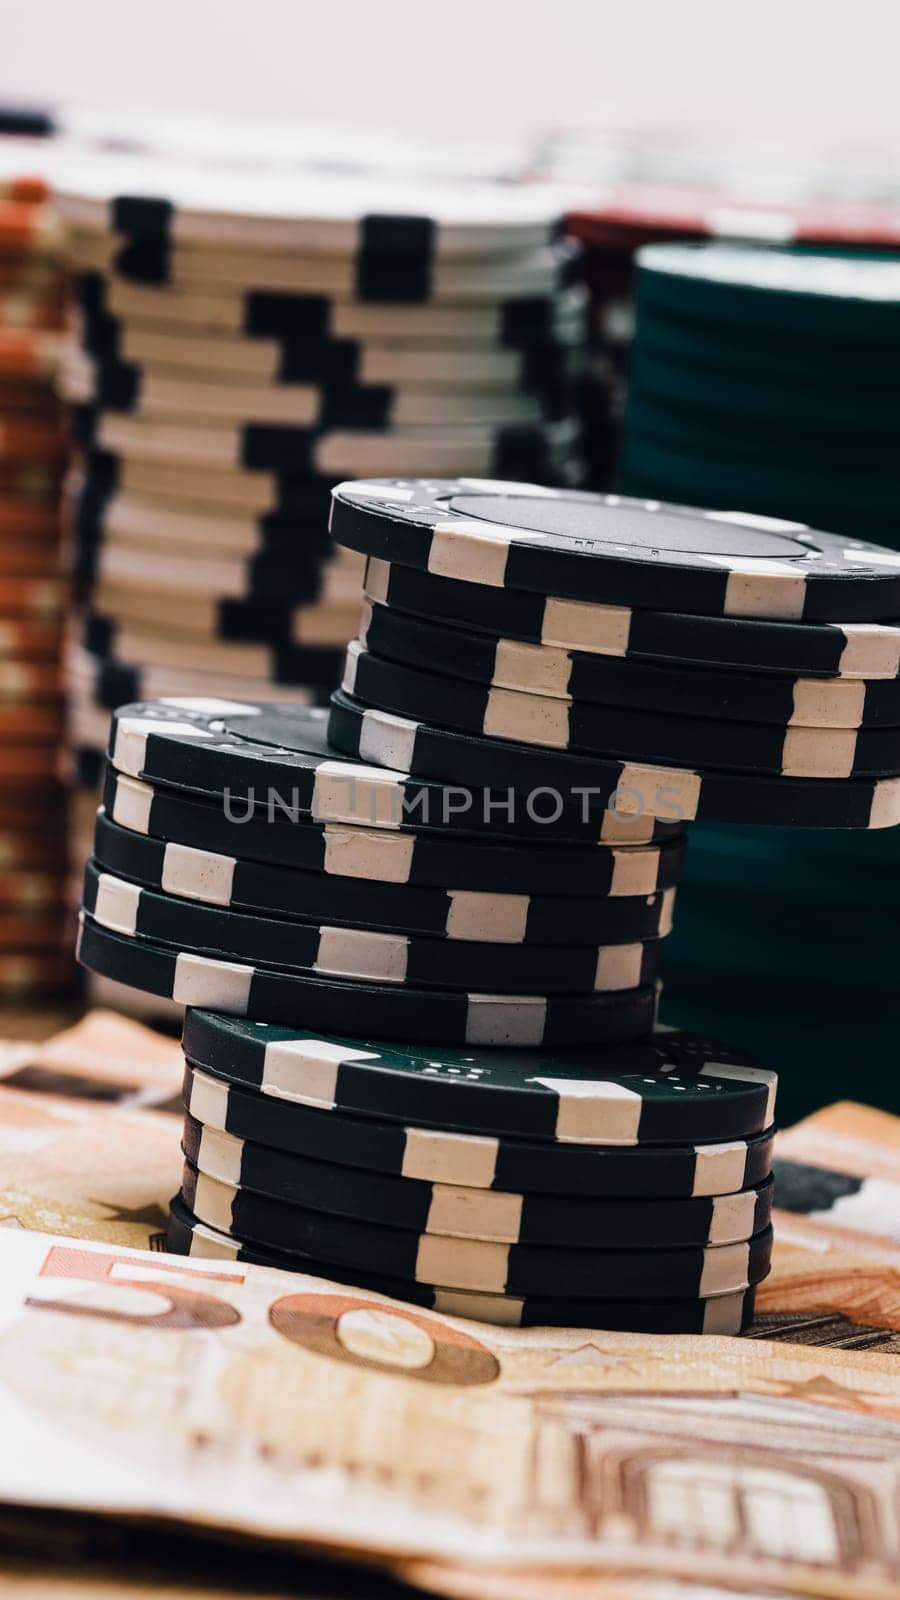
{"points": [[800, 292], [607, 548], [194, 201]]}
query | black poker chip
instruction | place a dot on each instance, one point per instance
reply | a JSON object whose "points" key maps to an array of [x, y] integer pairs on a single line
{"points": [[676, 791], [669, 1088], [722, 1314], [609, 1273], [315, 896], [620, 551], [625, 863], [807, 649], [433, 1155], [627, 733], [438, 1016], [364, 953], [268, 759], [669, 688], [488, 1214]]}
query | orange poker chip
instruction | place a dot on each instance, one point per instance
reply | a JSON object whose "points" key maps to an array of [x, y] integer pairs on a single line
{"points": [[30, 480], [28, 226], [29, 558], [28, 761], [41, 930], [27, 352], [29, 300], [29, 680], [27, 643], [28, 889], [34, 721], [42, 851], [28, 519], [24, 442], [34, 190], [22, 598], [23, 975]]}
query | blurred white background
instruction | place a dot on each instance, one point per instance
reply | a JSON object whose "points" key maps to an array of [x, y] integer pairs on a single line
{"points": [[797, 69]]}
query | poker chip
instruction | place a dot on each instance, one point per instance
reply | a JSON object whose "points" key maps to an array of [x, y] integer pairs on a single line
{"points": [[644, 1093], [624, 862], [547, 671], [192, 978], [385, 958], [478, 1161], [453, 914], [782, 360], [609, 548], [249, 329], [626, 732], [34, 958], [853, 650], [491, 1215], [682, 793], [251, 752], [474, 1263], [724, 1314]]}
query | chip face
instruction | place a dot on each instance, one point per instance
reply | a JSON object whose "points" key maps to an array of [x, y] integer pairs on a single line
{"points": [[607, 548], [670, 1088]]}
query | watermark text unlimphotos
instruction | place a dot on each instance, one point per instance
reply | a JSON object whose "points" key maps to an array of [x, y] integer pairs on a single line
{"points": [[390, 805]]}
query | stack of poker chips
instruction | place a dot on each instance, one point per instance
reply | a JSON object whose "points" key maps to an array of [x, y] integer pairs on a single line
{"points": [[249, 328], [420, 923], [377, 1090], [767, 379], [34, 935], [746, 206], [249, 331]]}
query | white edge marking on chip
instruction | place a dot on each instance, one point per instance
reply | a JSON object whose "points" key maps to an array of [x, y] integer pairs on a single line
{"points": [[438, 1157], [307, 1069], [530, 491], [208, 1100], [370, 796], [578, 625], [884, 811], [496, 918], [388, 741], [219, 1155], [502, 1019], [475, 552], [763, 589], [372, 490], [197, 874], [117, 904], [724, 1314], [462, 1213], [362, 953], [376, 856], [594, 1110], [872, 650], [480, 1264], [351, 666], [377, 579], [505, 1310], [720, 1267], [719, 1168], [132, 804], [217, 985], [634, 873], [642, 790], [744, 1074], [212, 707]]}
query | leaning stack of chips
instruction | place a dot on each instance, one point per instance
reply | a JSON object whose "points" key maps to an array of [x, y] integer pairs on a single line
{"points": [[768, 379], [428, 923], [34, 935], [244, 337]]}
